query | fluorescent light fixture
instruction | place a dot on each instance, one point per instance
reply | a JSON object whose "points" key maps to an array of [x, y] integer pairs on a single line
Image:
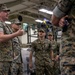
{"points": [[7, 22], [39, 20], [46, 11]]}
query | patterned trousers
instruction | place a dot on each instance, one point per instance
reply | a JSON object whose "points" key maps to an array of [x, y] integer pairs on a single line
{"points": [[5, 68], [17, 69]]}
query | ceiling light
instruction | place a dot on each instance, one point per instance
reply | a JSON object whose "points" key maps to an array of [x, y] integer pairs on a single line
{"points": [[46, 11], [39, 20], [7, 22]]}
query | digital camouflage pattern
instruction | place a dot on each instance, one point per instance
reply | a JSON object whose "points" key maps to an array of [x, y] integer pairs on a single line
{"points": [[17, 68], [6, 52], [68, 39], [17, 50], [42, 57], [55, 47], [11, 51], [5, 68], [17, 64]]}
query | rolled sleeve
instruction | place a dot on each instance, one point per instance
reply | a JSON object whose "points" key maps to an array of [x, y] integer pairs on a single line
{"points": [[63, 8], [58, 13]]}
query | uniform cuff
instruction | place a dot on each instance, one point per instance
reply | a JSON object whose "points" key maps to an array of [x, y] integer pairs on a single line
{"points": [[58, 13]]}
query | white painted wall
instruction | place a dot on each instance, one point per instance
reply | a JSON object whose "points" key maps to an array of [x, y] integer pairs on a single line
{"points": [[24, 37]]}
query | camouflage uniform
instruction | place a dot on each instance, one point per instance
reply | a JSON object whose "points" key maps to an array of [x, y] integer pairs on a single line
{"points": [[14, 46], [55, 47], [42, 57], [67, 7], [6, 52], [17, 64]]}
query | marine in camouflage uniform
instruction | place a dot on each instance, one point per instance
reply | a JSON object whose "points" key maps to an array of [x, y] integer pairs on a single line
{"points": [[67, 53], [6, 52], [42, 48], [17, 64], [55, 47], [6, 36]]}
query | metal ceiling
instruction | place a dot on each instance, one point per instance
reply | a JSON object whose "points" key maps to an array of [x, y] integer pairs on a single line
{"points": [[28, 9]]}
